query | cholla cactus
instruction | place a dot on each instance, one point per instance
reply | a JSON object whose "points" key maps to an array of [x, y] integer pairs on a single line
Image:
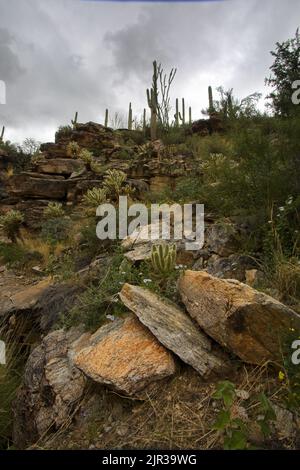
{"points": [[73, 149], [86, 156], [114, 181], [163, 259], [11, 223], [94, 197], [53, 210]]}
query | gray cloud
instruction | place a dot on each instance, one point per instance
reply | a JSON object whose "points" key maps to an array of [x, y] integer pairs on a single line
{"points": [[66, 55]]}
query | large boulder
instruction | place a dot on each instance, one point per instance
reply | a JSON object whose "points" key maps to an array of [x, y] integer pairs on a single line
{"points": [[60, 166], [247, 322], [174, 329], [123, 355], [35, 185], [222, 238], [51, 388], [18, 297]]}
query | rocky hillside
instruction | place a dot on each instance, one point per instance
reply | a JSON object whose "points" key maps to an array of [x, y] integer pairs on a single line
{"points": [[119, 347]]}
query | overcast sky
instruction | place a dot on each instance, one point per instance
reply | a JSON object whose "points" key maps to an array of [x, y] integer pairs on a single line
{"points": [[62, 56]]}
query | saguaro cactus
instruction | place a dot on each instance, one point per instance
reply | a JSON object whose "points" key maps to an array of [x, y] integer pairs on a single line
{"points": [[74, 121], [106, 118], [152, 98], [152, 103], [210, 100], [183, 112], [130, 120], [190, 115], [178, 117], [2, 134], [144, 121]]}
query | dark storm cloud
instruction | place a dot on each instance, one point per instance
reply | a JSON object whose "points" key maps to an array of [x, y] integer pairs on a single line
{"points": [[10, 68], [64, 56]]}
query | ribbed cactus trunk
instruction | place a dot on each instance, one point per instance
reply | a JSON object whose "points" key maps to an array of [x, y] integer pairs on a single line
{"points": [[177, 114], [106, 118], [190, 115], [74, 121], [153, 108], [144, 121], [210, 100], [183, 112], [130, 117]]}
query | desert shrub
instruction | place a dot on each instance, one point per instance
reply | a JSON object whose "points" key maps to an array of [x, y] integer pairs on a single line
{"points": [[174, 135], [101, 299], [114, 181], [16, 158], [188, 188], [203, 147], [63, 131], [11, 224], [53, 210], [12, 254], [56, 229], [73, 149]]}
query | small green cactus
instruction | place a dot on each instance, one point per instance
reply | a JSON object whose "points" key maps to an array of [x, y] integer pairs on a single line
{"points": [[113, 182], [94, 197], [163, 259], [53, 210], [11, 223], [86, 156], [73, 149]]}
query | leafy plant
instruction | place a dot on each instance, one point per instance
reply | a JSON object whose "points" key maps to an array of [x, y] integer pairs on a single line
{"points": [[11, 224], [234, 429]]}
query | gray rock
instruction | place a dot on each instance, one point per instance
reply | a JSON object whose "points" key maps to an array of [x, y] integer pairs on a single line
{"points": [[51, 388], [174, 329]]}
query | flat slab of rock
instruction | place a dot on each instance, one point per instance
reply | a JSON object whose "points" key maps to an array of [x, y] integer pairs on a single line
{"points": [[16, 297], [247, 322], [123, 355], [173, 328], [60, 166]]}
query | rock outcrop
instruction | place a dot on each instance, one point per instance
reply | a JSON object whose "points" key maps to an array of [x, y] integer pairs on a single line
{"points": [[51, 388], [247, 322], [174, 329], [123, 355]]}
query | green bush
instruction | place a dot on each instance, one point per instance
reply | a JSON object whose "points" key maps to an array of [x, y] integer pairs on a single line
{"points": [[56, 229], [11, 224]]}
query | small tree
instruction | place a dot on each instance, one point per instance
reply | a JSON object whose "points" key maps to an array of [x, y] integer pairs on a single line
{"points": [[284, 71]]}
